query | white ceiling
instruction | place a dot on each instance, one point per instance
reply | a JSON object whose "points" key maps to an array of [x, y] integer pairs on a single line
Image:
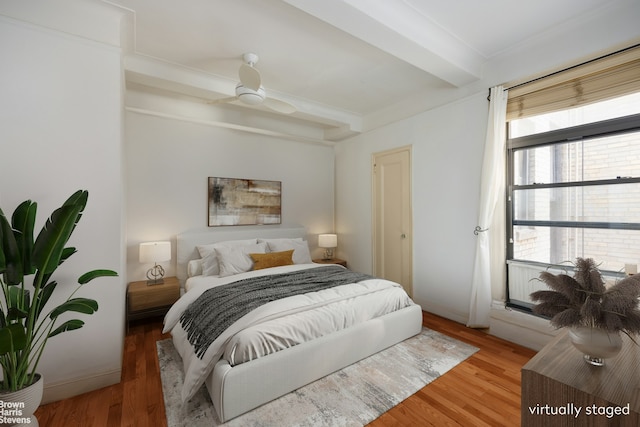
{"points": [[337, 61]]}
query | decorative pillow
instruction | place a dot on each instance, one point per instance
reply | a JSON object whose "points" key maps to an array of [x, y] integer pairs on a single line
{"points": [[208, 255], [272, 259], [194, 268], [301, 253], [236, 259]]}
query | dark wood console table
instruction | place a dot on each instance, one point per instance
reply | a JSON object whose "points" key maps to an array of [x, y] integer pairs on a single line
{"points": [[560, 389]]}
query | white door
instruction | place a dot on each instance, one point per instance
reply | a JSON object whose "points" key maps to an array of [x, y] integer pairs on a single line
{"points": [[392, 219]]}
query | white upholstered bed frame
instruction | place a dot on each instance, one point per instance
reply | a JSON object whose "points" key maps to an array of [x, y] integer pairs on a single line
{"points": [[236, 390]]}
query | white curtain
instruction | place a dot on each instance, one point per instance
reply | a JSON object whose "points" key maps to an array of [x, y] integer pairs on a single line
{"points": [[492, 186]]}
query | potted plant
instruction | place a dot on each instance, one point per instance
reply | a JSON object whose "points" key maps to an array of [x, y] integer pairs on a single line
{"points": [[26, 268], [595, 314]]}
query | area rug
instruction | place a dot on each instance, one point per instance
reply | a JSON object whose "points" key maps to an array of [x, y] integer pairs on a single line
{"points": [[353, 396]]}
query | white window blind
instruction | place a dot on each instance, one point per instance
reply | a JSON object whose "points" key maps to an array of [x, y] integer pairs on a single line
{"points": [[604, 78]]}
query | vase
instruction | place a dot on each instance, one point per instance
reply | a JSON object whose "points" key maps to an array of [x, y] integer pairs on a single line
{"points": [[595, 343], [18, 407]]}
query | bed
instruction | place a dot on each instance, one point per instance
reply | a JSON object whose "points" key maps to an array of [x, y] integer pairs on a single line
{"points": [[322, 331]]}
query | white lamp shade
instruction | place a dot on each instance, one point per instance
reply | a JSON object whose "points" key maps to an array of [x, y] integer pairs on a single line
{"points": [[154, 252], [327, 240]]}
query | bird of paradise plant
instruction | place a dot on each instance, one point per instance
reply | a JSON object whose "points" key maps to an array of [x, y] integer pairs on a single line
{"points": [[26, 268]]}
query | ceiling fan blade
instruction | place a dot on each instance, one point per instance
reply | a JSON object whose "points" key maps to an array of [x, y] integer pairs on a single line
{"points": [[249, 77], [279, 106], [223, 100]]}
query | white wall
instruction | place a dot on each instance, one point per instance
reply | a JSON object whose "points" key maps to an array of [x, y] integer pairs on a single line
{"points": [[60, 130], [169, 161], [447, 144]]}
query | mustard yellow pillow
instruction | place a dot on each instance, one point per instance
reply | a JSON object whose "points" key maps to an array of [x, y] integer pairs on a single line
{"points": [[272, 259]]}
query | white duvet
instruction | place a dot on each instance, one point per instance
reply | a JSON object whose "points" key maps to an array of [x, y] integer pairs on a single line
{"points": [[279, 324]]}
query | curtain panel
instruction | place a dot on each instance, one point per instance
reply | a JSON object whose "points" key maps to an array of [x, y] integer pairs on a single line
{"points": [[489, 258]]}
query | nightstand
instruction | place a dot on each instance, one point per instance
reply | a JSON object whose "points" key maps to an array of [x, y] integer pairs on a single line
{"points": [[558, 377], [151, 300], [331, 261]]}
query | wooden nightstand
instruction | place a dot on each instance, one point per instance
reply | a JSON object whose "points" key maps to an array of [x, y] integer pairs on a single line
{"points": [[558, 377], [331, 261], [151, 300]]}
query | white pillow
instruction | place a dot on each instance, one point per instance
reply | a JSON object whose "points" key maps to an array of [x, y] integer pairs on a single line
{"points": [[208, 255], [236, 259], [300, 248], [194, 267], [210, 265], [205, 250]]}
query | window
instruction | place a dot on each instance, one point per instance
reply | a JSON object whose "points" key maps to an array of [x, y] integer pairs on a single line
{"points": [[573, 190]]}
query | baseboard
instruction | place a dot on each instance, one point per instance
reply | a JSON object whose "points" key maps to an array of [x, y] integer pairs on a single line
{"points": [[521, 328], [445, 312], [67, 389]]}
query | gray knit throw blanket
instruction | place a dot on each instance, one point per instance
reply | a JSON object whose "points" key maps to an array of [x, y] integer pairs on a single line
{"points": [[217, 308]]}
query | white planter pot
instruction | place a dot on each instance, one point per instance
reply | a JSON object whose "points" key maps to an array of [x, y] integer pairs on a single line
{"points": [[596, 344], [18, 407]]}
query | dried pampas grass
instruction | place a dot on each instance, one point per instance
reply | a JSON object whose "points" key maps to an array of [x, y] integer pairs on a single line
{"points": [[583, 300]]}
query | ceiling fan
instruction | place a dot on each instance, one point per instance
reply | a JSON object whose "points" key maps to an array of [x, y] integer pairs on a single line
{"points": [[250, 90]]}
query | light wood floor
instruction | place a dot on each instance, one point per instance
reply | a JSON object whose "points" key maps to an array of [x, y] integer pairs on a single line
{"points": [[484, 390]]}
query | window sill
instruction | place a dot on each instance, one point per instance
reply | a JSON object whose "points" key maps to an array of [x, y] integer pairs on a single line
{"points": [[521, 328]]}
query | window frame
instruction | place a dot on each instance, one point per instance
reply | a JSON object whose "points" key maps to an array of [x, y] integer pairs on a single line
{"points": [[584, 132]]}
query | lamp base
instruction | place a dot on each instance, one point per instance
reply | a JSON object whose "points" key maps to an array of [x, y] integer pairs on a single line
{"points": [[328, 254], [155, 275]]}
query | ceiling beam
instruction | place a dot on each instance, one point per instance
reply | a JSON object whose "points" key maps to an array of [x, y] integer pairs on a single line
{"points": [[229, 125], [400, 30]]}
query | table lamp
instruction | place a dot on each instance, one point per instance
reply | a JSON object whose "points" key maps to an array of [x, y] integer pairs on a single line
{"points": [[328, 241], [155, 252]]}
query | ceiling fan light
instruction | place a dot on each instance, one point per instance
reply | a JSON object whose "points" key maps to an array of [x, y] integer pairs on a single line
{"points": [[250, 96]]}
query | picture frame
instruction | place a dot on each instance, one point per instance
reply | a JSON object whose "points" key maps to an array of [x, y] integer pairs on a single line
{"points": [[236, 201]]}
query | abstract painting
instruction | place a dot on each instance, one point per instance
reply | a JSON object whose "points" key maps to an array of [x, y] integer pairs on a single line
{"points": [[234, 201]]}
